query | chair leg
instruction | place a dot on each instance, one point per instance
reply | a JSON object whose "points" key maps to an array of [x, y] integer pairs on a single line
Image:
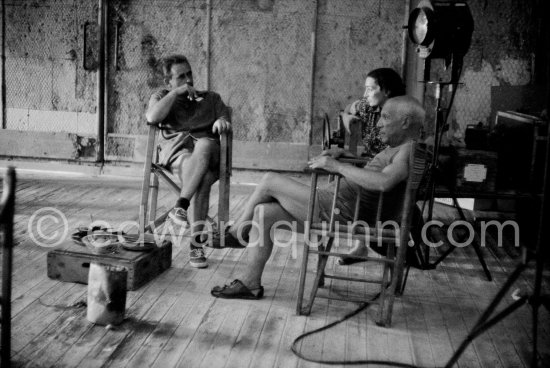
{"points": [[395, 282], [146, 183], [382, 297], [225, 177], [322, 262], [154, 189], [320, 268], [401, 287], [301, 285]]}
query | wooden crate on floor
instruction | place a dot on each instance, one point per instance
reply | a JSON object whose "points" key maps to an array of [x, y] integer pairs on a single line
{"points": [[71, 263]]}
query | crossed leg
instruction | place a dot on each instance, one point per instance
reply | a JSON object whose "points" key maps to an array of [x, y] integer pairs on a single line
{"points": [[276, 198], [198, 170]]}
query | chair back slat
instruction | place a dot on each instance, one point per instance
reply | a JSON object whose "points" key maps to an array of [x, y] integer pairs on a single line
{"points": [[418, 162]]}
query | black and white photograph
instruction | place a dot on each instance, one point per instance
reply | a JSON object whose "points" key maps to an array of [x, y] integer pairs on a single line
{"points": [[275, 183]]}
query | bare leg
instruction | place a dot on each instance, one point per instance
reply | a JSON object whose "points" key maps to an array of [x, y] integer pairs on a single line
{"points": [[201, 202], [266, 214], [193, 169], [291, 195]]}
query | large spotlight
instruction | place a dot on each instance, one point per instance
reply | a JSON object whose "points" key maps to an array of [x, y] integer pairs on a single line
{"points": [[441, 29]]}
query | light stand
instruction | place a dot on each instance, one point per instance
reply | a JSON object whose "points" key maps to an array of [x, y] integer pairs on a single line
{"points": [[442, 30], [433, 175]]}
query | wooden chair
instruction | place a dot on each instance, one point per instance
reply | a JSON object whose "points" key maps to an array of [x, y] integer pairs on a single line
{"points": [[152, 171], [7, 209], [395, 241]]}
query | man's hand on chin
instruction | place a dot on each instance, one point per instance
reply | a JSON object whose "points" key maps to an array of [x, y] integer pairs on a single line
{"points": [[187, 88]]}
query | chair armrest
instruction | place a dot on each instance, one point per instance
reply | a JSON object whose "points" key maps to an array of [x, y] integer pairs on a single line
{"points": [[348, 160], [226, 152], [354, 161]]}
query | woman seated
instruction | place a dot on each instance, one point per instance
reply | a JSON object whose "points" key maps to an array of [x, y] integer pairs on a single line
{"points": [[380, 85]]}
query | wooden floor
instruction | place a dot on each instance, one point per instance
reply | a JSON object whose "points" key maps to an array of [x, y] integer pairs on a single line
{"points": [[174, 322]]}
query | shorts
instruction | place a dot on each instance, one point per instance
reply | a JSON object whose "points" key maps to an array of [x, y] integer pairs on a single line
{"points": [[345, 203], [183, 143]]}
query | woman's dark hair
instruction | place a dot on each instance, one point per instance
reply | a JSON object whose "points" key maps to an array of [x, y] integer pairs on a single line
{"points": [[389, 81]]}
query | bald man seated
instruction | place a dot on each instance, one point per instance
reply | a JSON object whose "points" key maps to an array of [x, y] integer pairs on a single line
{"points": [[279, 198]]}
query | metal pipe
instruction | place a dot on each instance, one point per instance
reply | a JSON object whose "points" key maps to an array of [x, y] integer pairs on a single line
{"points": [[404, 44], [4, 109], [208, 31], [106, 74], [313, 52], [101, 22]]}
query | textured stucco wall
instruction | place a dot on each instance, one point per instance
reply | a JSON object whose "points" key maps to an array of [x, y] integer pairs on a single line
{"points": [[260, 60], [47, 88], [354, 37], [261, 63], [149, 30], [501, 54]]}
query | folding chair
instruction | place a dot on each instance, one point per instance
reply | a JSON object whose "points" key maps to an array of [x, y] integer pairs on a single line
{"points": [[395, 241], [152, 171], [7, 209]]}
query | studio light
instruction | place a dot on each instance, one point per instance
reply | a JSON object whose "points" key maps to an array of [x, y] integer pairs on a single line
{"points": [[441, 29]]}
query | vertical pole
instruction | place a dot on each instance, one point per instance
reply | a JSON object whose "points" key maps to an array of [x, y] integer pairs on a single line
{"points": [[6, 224], [4, 109], [106, 58], [101, 82], [414, 66], [404, 43], [208, 31], [312, 64]]}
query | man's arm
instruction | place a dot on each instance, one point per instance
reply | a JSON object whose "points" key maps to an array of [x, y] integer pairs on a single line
{"points": [[383, 181], [160, 104], [159, 107]]}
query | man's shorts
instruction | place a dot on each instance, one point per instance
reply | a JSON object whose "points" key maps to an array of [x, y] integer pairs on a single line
{"points": [[345, 203], [173, 150]]}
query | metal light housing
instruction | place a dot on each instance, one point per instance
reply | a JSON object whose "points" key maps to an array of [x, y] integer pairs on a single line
{"points": [[441, 29]]}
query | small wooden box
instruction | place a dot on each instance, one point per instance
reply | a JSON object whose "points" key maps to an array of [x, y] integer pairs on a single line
{"points": [[71, 263], [476, 170]]}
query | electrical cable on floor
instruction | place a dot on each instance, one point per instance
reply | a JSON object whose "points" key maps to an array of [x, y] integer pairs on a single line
{"points": [[362, 307]]}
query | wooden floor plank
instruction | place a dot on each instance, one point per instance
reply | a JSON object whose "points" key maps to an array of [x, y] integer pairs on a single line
{"points": [[44, 330], [93, 336], [421, 352], [224, 340], [184, 333], [264, 354], [163, 331], [248, 337], [174, 321]]}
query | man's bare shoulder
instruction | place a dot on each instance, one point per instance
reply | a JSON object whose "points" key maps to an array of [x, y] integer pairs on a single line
{"points": [[403, 152]]}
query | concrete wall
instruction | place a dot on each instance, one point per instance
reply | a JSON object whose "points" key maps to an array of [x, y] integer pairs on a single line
{"points": [[47, 89], [259, 58], [500, 60]]}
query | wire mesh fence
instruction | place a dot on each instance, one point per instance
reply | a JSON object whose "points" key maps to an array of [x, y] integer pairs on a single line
{"points": [[500, 57], [258, 54], [42, 51]]}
